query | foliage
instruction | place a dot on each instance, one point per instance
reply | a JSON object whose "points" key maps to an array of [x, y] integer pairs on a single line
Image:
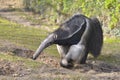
{"points": [[107, 10], [113, 7]]}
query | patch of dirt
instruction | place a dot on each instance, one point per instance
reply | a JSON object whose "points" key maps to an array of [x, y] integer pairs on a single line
{"points": [[10, 3], [93, 70], [14, 69], [13, 16], [6, 46]]}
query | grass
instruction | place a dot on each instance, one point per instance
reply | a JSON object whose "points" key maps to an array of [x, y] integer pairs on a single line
{"points": [[29, 37], [36, 18], [23, 35], [112, 40], [15, 59], [111, 51]]}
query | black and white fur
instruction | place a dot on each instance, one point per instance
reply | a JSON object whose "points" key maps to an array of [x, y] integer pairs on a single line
{"points": [[75, 38]]}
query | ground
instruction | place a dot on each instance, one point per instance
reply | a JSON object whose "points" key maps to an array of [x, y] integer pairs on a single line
{"points": [[48, 67]]}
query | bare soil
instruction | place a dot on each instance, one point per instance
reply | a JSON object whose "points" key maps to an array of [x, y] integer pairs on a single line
{"points": [[92, 70]]}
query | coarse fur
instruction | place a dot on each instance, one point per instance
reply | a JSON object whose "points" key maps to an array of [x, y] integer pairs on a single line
{"points": [[79, 31]]}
